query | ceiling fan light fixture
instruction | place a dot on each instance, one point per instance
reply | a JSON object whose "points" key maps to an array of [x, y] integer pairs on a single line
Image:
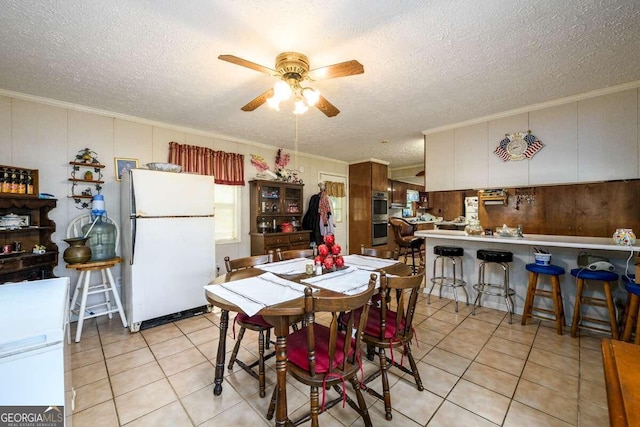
{"points": [[274, 103], [300, 107], [282, 90], [311, 96]]}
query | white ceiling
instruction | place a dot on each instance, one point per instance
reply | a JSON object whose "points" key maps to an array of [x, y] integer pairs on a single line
{"points": [[427, 63]]}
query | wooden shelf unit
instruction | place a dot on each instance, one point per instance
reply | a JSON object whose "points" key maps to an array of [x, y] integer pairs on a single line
{"points": [[26, 265], [280, 202]]}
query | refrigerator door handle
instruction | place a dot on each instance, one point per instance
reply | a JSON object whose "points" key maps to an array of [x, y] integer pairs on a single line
{"points": [[133, 239]]}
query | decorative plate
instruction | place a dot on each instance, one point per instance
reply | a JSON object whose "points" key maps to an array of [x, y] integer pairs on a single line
{"points": [[518, 146]]}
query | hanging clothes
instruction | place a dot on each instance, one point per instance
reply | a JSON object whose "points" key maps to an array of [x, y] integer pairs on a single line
{"points": [[326, 223], [311, 219]]}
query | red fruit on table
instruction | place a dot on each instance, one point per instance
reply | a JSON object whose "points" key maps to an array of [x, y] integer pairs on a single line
{"points": [[339, 261], [329, 239], [335, 249], [323, 250], [318, 260], [328, 262]]}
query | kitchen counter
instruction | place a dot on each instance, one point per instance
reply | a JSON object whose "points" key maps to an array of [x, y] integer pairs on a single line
{"points": [[579, 242], [564, 253]]}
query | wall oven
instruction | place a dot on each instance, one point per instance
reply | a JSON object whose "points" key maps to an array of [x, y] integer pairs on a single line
{"points": [[379, 206], [379, 218], [379, 233]]}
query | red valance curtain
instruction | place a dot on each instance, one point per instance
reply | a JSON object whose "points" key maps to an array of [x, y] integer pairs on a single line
{"points": [[227, 168]]}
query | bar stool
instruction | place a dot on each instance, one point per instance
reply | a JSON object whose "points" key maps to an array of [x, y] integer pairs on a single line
{"points": [[406, 241], [606, 277], [85, 287], [501, 258], [632, 307], [554, 272], [454, 254]]}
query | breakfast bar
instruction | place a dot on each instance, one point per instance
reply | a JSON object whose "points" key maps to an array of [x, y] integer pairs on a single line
{"points": [[564, 253]]}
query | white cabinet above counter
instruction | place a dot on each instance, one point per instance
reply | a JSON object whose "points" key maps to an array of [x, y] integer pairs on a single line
{"points": [[591, 139]]}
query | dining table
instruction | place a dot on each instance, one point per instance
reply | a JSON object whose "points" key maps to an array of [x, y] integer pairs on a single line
{"points": [[281, 315]]}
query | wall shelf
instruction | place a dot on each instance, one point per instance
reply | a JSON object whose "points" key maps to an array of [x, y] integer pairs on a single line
{"points": [[87, 171]]}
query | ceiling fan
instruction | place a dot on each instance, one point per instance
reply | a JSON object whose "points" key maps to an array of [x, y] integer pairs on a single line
{"points": [[292, 68]]}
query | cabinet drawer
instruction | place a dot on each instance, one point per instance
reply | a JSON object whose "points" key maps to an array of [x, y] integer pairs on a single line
{"points": [[297, 238], [9, 264], [276, 240]]}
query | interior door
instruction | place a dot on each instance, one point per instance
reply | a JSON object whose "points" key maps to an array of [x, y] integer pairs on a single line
{"points": [[340, 208]]}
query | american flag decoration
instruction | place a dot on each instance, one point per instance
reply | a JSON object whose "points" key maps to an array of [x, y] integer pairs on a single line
{"points": [[518, 146]]}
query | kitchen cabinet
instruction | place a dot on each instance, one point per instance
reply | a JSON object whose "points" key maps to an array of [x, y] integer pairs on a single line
{"points": [[608, 137], [364, 178], [471, 156], [439, 161], [399, 192], [271, 204], [24, 264]]}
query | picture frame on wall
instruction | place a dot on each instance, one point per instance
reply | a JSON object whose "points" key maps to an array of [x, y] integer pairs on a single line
{"points": [[124, 165]]}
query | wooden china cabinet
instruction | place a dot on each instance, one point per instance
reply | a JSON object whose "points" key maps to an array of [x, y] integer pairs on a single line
{"points": [[272, 204], [24, 264]]}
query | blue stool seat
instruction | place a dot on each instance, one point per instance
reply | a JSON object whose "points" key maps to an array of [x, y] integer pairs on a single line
{"points": [[545, 269], [555, 294], [607, 278], [629, 279], [586, 274]]}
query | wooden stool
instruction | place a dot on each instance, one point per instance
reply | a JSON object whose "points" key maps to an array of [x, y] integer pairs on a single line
{"points": [[454, 254], [501, 258], [555, 294], [606, 277], [631, 310], [84, 289]]}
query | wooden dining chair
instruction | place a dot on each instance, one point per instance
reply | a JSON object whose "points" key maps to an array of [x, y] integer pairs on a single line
{"points": [[293, 253], [379, 253], [246, 262], [323, 357], [389, 326], [253, 323]]}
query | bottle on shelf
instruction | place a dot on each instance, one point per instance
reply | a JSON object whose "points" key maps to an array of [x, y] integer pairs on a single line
{"points": [[3, 178], [22, 185], [29, 183], [13, 186]]}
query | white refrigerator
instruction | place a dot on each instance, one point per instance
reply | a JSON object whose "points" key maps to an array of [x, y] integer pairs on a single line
{"points": [[168, 244]]}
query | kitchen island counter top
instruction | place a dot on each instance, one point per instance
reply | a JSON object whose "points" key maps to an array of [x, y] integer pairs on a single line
{"points": [[579, 242]]}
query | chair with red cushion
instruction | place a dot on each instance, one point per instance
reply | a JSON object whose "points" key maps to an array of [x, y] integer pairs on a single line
{"points": [[390, 326], [323, 357], [254, 323]]}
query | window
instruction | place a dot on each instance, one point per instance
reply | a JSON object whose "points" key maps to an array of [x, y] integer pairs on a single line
{"points": [[227, 213], [337, 206]]}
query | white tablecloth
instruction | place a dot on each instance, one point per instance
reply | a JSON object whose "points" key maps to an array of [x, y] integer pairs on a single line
{"points": [[290, 266], [350, 281], [255, 293], [367, 262]]}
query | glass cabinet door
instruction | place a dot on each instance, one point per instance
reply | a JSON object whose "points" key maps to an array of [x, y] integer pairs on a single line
{"points": [[292, 198], [269, 199]]}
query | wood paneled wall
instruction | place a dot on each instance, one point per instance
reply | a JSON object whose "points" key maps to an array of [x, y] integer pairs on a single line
{"points": [[596, 209]]}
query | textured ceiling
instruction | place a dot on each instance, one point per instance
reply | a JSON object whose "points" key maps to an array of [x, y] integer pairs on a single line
{"points": [[427, 64]]}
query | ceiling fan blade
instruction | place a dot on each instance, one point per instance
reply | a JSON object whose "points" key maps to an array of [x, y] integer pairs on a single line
{"points": [[249, 64], [258, 101], [348, 68], [326, 107]]}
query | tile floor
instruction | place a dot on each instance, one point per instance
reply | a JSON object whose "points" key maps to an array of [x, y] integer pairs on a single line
{"points": [[477, 371]]}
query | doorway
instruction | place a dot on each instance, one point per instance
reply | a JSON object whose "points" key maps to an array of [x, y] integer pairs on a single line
{"points": [[340, 208]]}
